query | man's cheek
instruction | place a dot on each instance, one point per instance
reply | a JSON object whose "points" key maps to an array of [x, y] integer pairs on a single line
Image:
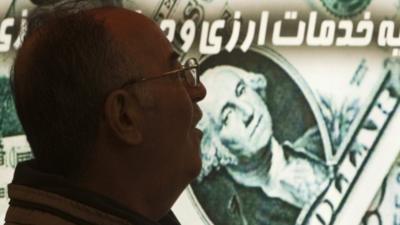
{"points": [[146, 98]]}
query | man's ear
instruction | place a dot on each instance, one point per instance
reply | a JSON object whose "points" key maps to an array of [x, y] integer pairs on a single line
{"points": [[122, 115]]}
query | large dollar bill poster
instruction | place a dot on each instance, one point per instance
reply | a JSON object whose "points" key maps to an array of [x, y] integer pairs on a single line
{"points": [[301, 124]]}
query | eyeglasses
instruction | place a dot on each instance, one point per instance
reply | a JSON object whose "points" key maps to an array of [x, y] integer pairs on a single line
{"points": [[188, 72]]}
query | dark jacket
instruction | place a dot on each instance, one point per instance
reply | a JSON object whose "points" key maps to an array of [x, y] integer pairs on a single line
{"points": [[39, 198]]}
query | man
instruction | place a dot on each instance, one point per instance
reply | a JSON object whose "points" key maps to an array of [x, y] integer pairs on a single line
{"points": [[238, 136], [110, 115]]}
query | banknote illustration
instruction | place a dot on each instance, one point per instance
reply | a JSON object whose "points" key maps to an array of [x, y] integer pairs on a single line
{"points": [[263, 161], [229, 189], [385, 207], [13, 146], [363, 145], [345, 8], [217, 171], [289, 133]]}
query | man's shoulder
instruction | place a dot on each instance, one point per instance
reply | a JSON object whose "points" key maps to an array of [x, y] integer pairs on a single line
{"points": [[39, 198], [37, 207], [34, 206]]}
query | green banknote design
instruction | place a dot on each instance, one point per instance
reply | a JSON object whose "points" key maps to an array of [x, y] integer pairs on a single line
{"points": [[345, 8]]}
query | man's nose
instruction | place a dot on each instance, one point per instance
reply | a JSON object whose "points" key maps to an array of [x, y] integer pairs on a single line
{"points": [[197, 93], [247, 112]]}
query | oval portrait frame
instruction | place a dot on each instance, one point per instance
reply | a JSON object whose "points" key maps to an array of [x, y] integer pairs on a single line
{"points": [[309, 96]]}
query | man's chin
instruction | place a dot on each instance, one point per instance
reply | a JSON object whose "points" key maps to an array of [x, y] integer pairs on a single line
{"points": [[198, 135], [194, 162], [195, 168]]}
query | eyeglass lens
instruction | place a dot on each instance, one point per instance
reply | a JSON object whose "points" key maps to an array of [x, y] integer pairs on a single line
{"points": [[191, 74]]}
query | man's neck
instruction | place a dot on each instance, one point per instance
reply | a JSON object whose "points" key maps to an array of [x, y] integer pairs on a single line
{"points": [[136, 191]]}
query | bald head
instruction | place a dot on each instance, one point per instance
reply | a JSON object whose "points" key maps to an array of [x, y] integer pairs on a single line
{"points": [[63, 71], [140, 37]]}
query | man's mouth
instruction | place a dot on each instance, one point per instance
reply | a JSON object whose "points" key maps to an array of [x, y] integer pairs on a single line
{"points": [[197, 115], [199, 132], [256, 126]]}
